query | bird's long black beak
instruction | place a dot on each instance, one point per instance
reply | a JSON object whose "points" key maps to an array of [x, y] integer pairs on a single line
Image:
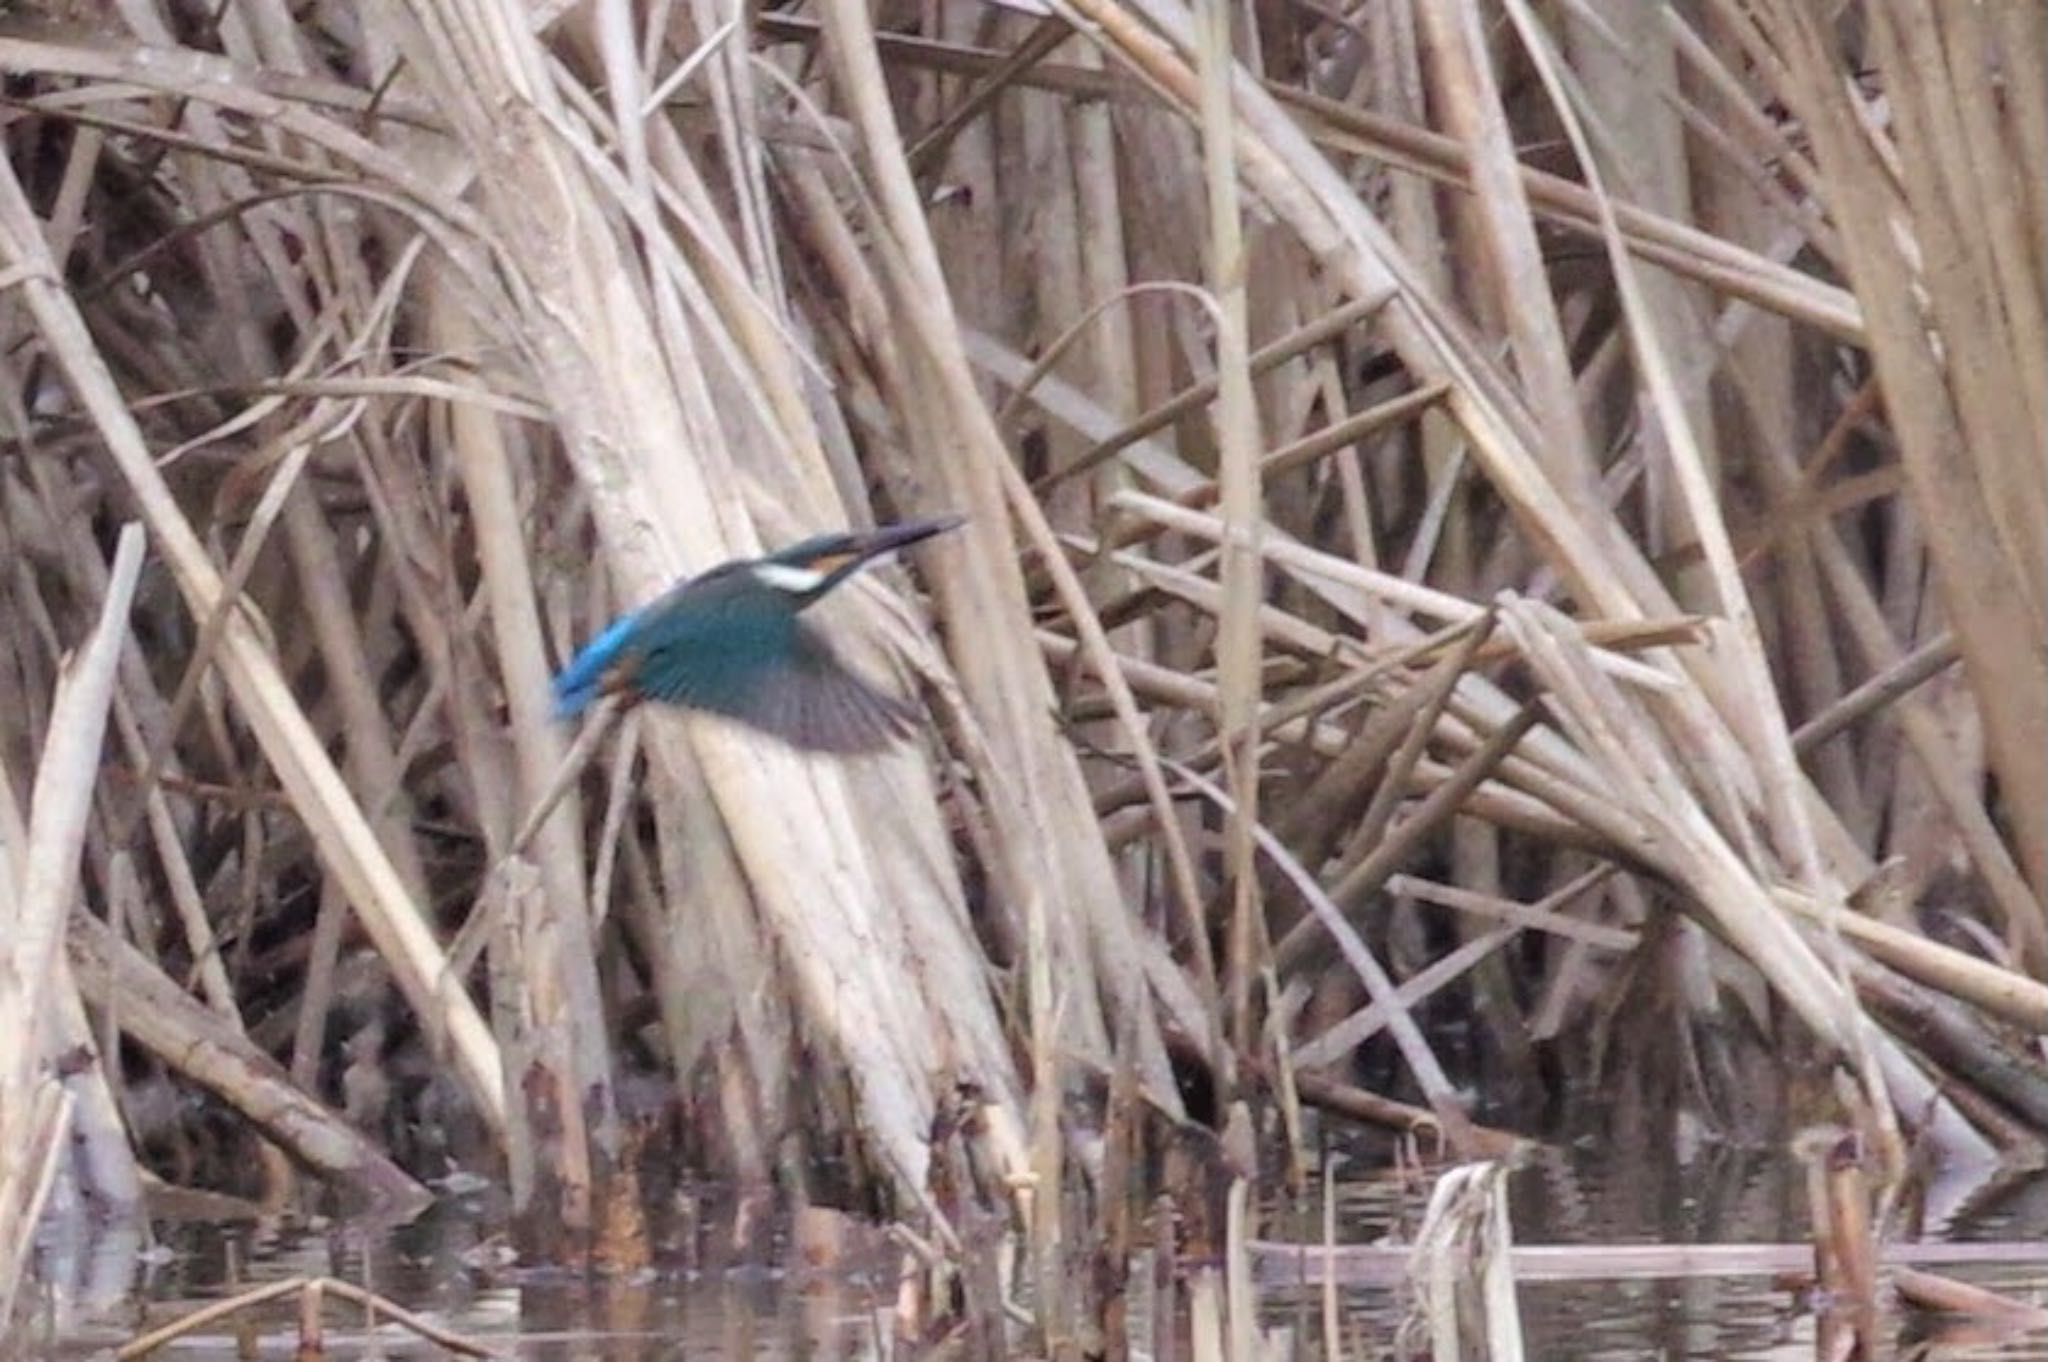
{"points": [[864, 546], [891, 537]]}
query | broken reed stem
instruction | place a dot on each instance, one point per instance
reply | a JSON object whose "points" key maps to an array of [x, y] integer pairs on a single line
{"points": [[1461, 1269], [567, 772], [1932, 1291], [1332, 1321], [42, 902], [1917, 668], [35, 913], [1845, 1244], [311, 1291]]}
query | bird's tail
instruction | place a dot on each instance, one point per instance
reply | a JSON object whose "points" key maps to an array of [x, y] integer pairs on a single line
{"points": [[582, 681]]}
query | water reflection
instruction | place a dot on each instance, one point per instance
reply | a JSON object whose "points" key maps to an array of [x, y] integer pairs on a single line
{"points": [[822, 1286], [1611, 1193]]}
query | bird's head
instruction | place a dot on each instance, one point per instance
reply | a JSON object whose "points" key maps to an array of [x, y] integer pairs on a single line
{"points": [[808, 570]]}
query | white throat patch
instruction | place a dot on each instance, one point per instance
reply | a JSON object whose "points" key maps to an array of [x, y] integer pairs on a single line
{"points": [[795, 580]]}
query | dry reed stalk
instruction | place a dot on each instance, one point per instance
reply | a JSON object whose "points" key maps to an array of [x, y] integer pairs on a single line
{"points": [[1240, 1302], [1874, 641], [1207, 1318], [1985, 526], [740, 286], [1023, 840], [1346, 1035], [1932, 1291], [214, 1054], [280, 724], [1113, 1268], [1461, 1267], [1241, 502], [1415, 1048], [1556, 808], [771, 806], [2001, 992], [1768, 739], [1922, 665], [1043, 1201], [1675, 826], [1844, 1247], [35, 1111], [563, 977], [1466, 86], [1332, 1324]]}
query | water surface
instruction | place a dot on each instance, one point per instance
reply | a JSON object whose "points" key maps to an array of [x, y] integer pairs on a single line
{"points": [[825, 1287]]}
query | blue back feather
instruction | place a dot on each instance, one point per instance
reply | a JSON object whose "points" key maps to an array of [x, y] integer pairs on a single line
{"points": [[713, 649], [705, 642]]}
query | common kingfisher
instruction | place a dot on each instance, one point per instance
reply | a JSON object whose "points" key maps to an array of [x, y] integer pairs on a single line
{"points": [[733, 641]]}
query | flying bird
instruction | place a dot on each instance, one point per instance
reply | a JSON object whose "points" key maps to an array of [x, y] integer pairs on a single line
{"points": [[733, 641]]}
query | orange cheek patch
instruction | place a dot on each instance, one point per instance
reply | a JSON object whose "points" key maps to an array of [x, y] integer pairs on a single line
{"points": [[831, 562]]}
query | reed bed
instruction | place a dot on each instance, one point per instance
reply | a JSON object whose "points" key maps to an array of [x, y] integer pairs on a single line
{"points": [[1506, 559]]}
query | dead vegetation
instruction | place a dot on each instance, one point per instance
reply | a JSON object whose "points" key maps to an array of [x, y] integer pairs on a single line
{"points": [[1529, 516]]}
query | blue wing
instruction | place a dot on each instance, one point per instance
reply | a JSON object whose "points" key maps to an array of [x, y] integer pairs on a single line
{"points": [[771, 672], [711, 648]]}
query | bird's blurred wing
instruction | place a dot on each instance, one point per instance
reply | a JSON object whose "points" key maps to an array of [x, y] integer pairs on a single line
{"points": [[816, 703], [775, 674]]}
